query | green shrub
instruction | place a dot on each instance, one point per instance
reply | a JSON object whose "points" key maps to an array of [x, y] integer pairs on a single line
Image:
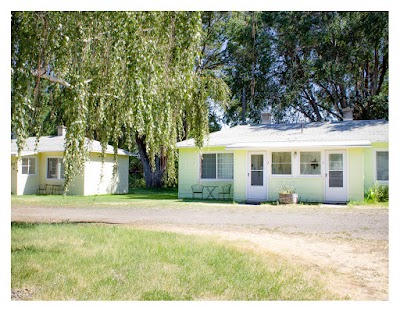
{"points": [[378, 193], [136, 182]]}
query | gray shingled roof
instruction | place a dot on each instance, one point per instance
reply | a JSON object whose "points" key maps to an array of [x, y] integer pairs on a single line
{"points": [[343, 133], [56, 144]]}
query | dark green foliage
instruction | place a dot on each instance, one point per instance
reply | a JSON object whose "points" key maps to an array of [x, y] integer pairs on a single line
{"points": [[377, 194], [118, 77], [308, 65]]}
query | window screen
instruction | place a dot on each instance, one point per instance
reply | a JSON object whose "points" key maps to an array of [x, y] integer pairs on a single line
{"points": [[382, 166], [28, 165], [336, 170], [281, 163], [208, 166], [225, 166], [55, 168], [310, 163], [257, 170], [217, 166]]}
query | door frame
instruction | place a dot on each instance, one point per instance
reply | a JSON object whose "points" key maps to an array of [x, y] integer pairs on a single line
{"points": [[345, 176], [265, 173]]}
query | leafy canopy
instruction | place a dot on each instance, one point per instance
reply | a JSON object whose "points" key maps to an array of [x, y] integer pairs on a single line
{"points": [[113, 75]]}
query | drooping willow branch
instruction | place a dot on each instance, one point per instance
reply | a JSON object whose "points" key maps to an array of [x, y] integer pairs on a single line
{"points": [[51, 78], [42, 74]]}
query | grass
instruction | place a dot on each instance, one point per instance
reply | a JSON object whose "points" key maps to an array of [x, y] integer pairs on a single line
{"points": [[368, 203], [140, 198], [146, 198], [98, 262]]}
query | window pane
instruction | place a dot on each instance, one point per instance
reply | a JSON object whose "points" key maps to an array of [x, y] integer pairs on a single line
{"points": [[281, 157], [225, 166], [281, 163], [335, 178], [32, 166], [257, 162], [336, 162], [61, 168], [208, 166], [257, 177], [310, 163], [281, 168], [382, 166], [25, 165], [52, 168]]}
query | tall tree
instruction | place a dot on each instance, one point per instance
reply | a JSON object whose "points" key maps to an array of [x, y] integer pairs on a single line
{"points": [[211, 61], [327, 61], [247, 64], [126, 75], [307, 65]]}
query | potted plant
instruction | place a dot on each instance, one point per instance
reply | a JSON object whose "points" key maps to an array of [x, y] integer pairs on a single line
{"points": [[287, 194]]}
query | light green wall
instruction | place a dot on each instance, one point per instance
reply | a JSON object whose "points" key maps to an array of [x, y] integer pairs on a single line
{"points": [[84, 184], [369, 161], [189, 172], [109, 184], [355, 182], [23, 183], [360, 175], [240, 175], [310, 189], [14, 166], [77, 185]]}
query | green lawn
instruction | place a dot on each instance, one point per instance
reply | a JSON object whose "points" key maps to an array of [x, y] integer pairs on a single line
{"points": [[141, 198], [100, 262]]}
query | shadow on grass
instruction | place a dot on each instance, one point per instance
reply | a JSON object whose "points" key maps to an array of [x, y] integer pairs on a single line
{"points": [[167, 194], [149, 193], [23, 225], [211, 201]]}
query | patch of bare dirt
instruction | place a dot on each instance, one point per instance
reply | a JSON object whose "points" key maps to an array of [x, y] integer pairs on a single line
{"points": [[21, 294]]}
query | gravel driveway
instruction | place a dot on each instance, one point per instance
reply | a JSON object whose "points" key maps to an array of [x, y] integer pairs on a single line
{"points": [[362, 223]]}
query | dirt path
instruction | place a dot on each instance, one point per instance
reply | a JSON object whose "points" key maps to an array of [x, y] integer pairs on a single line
{"points": [[348, 250]]}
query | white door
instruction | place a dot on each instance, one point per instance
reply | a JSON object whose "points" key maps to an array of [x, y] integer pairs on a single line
{"points": [[335, 177], [256, 177]]}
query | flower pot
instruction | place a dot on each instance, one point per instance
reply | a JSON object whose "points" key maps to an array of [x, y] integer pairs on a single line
{"points": [[288, 198]]}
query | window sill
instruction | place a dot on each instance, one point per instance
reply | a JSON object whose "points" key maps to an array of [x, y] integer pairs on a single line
{"points": [[216, 180]]}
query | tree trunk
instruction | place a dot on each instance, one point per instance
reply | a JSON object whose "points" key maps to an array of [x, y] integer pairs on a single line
{"points": [[244, 106], [153, 178]]}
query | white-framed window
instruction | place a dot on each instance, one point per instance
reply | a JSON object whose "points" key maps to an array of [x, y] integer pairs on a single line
{"points": [[281, 163], [382, 166], [55, 168], [217, 166], [28, 165], [310, 163]]}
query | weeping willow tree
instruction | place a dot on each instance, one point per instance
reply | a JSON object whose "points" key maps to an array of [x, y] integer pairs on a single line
{"points": [[115, 76]]}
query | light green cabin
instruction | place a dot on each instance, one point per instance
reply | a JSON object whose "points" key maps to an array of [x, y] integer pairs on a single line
{"points": [[40, 169], [321, 162]]}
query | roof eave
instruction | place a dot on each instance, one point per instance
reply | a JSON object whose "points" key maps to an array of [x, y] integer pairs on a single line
{"points": [[291, 145]]}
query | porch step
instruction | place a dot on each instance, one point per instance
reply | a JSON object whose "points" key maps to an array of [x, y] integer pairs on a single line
{"points": [[252, 202]]}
